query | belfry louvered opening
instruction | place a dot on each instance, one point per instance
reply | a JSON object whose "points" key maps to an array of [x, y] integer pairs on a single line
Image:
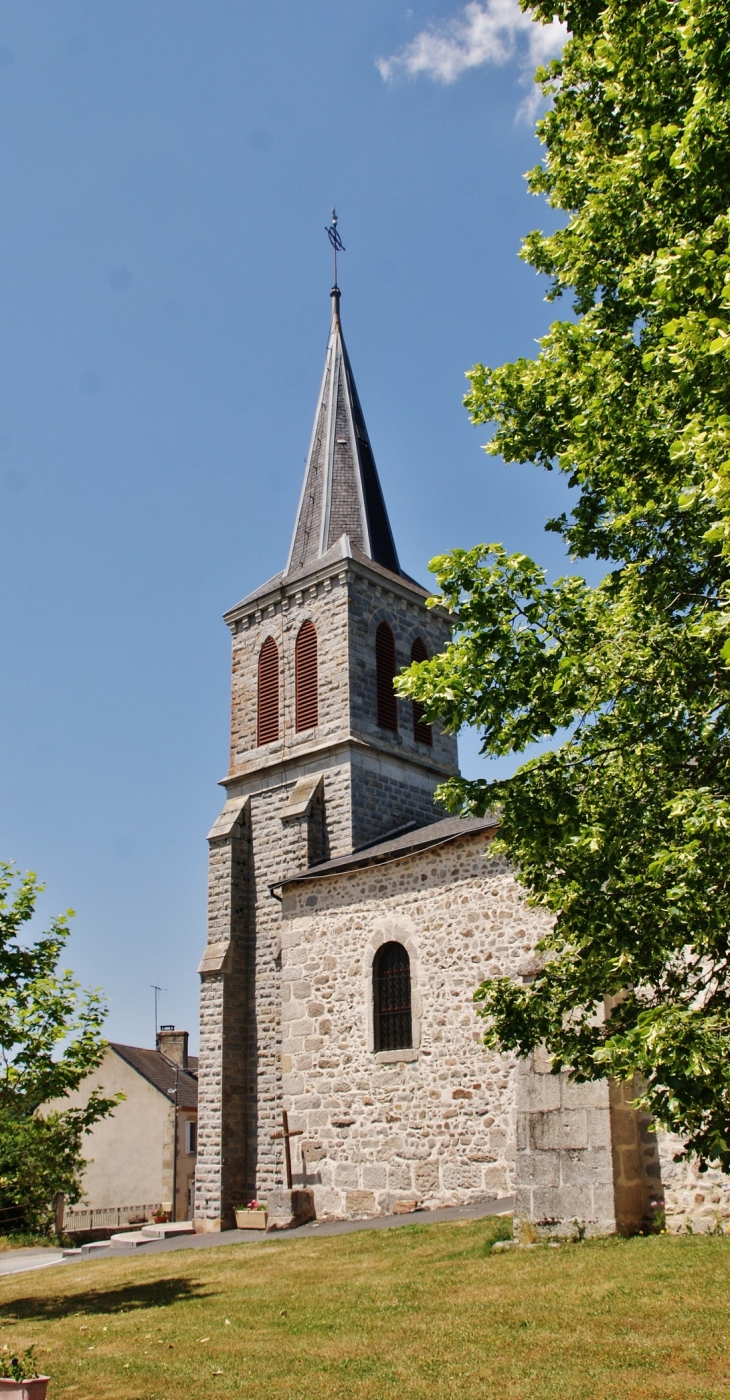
{"points": [[392, 998], [385, 667], [268, 715], [422, 732], [305, 669]]}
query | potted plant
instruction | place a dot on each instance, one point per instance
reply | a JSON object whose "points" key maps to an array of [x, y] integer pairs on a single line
{"points": [[24, 1382], [252, 1217]]}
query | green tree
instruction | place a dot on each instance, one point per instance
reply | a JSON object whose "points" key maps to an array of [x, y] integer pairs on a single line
{"points": [[622, 830], [50, 1039]]}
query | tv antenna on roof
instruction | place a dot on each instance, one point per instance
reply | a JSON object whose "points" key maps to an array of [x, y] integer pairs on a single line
{"points": [[334, 238], [157, 991]]}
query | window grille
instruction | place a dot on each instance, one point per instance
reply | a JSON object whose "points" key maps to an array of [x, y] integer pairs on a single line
{"points": [[392, 998], [268, 726], [385, 668], [422, 732], [305, 670]]}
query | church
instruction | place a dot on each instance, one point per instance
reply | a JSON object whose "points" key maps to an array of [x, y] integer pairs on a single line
{"points": [[350, 919]]}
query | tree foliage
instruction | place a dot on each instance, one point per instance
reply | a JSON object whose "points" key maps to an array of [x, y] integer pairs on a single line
{"points": [[50, 1039], [622, 831]]}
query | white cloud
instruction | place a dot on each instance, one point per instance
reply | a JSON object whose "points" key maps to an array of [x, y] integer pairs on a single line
{"points": [[496, 31]]}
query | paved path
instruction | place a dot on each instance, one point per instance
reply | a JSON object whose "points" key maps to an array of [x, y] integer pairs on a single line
{"points": [[22, 1260]]}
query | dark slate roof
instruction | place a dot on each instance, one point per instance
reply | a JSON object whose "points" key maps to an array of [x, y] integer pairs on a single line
{"points": [[422, 839], [160, 1072], [341, 494]]}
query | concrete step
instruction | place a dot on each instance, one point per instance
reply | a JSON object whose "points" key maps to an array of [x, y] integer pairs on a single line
{"points": [[95, 1244], [167, 1230], [134, 1238]]}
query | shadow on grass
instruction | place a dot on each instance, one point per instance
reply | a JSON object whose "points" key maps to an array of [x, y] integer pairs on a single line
{"points": [[130, 1298]]}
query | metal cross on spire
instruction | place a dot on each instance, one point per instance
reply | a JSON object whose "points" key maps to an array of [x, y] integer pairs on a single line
{"points": [[334, 238]]}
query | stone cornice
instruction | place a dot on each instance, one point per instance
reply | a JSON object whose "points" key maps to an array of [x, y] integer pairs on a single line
{"points": [[308, 757], [282, 589]]}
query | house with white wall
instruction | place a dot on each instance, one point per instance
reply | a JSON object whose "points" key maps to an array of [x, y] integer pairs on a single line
{"points": [[142, 1157]]}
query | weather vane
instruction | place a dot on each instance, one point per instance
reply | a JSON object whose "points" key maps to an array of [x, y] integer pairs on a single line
{"points": [[334, 238]]}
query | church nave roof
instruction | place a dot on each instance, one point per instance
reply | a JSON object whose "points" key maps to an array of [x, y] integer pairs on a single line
{"points": [[422, 838]]}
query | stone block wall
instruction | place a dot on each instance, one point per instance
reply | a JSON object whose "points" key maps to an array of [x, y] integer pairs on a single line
{"points": [[563, 1164], [434, 1123], [252, 845], [374, 599], [637, 1177], [221, 1167], [323, 601], [584, 1154], [345, 601], [387, 793]]}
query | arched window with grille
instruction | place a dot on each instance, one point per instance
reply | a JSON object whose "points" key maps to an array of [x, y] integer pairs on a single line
{"points": [[385, 668], [392, 998], [305, 676], [422, 732], [268, 715]]}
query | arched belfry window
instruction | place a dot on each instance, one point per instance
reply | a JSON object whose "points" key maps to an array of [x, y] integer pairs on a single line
{"points": [[385, 667], [268, 717], [422, 732], [305, 676], [392, 998]]}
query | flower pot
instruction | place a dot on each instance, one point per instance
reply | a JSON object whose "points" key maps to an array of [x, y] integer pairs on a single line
{"points": [[34, 1389], [251, 1219]]}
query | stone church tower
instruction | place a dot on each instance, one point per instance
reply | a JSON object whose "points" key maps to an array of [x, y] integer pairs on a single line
{"points": [[324, 761]]}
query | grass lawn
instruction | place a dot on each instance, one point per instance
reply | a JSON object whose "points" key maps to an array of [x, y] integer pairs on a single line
{"points": [[420, 1311]]}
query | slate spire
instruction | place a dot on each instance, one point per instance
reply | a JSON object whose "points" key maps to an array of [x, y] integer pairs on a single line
{"points": [[341, 494]]}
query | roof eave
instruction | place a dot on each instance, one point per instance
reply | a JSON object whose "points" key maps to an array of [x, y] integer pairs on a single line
{"points": [[384, 856]]}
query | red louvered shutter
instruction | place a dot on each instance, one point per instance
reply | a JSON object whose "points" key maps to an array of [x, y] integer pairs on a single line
{"points": [[385, 667], [422, 732], [268, 728], [305, 669]]}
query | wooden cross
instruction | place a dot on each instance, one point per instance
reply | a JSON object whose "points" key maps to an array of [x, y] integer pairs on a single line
{"points": [[286, 1135]]}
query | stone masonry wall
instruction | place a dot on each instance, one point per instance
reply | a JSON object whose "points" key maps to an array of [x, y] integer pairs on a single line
{"points": [[325, 603], [221, 1163], [637, 1180], [563, 1166], [695, 1201], [583, 1154], [345, 603], [386, 794], [435, 1123], [372, 601]]}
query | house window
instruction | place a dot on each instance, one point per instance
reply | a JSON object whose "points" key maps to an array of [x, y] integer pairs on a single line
{"points": [[385, 667], [423, 733], [268, 726], [191, 1135], [305, 676], [392, 998]]}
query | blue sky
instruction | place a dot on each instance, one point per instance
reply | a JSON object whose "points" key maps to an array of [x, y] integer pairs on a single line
{"points": [[168, 170]]}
